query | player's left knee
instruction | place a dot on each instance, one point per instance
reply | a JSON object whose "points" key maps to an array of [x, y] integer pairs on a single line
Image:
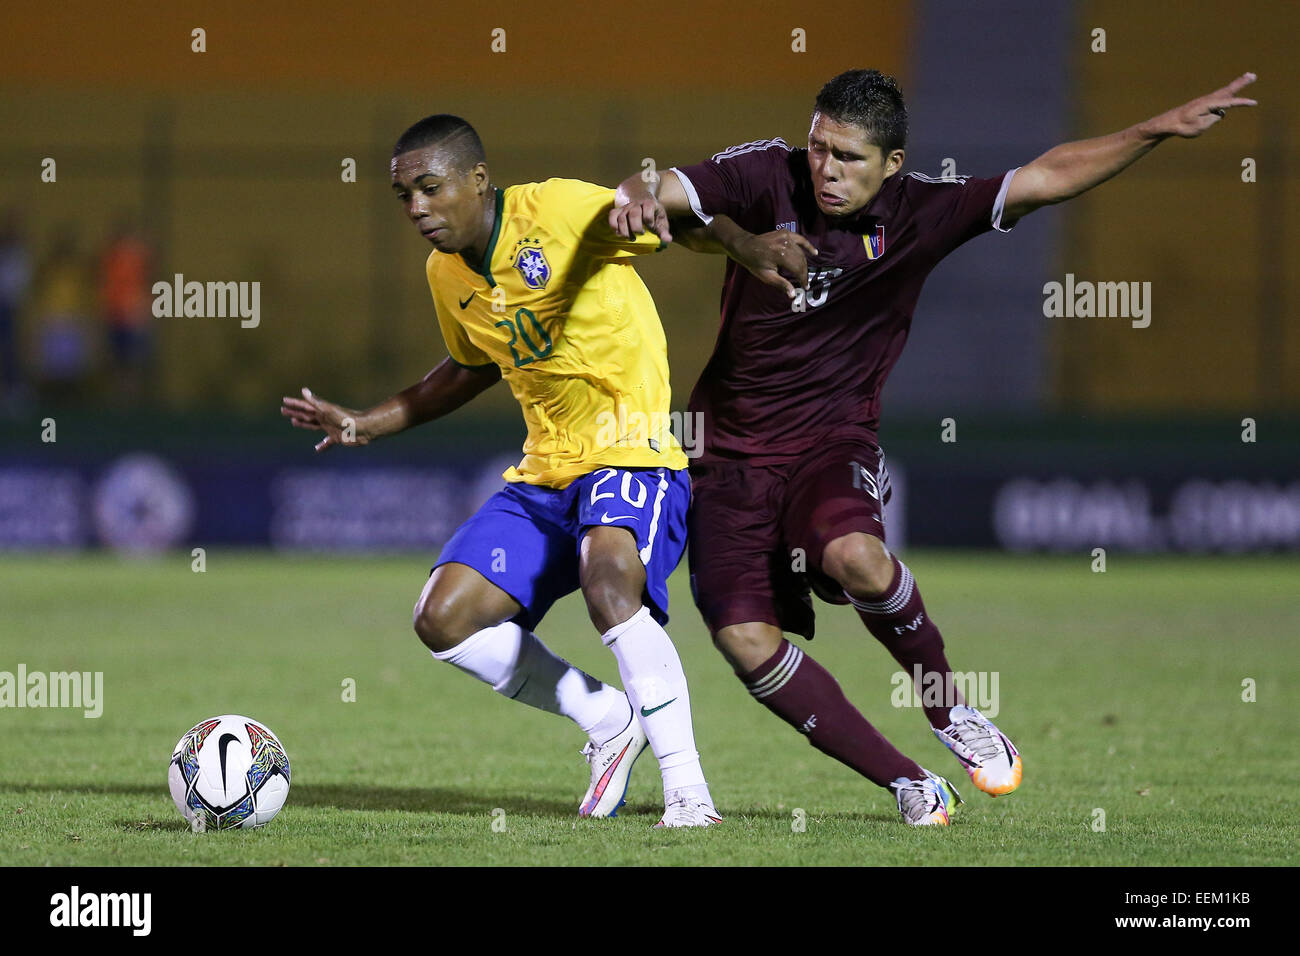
{"points": [[612, 598], [612, 576], [860, 563]]}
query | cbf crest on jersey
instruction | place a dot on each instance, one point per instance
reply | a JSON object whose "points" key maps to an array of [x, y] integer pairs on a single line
{"points": [[874, 243], [531, 263]]}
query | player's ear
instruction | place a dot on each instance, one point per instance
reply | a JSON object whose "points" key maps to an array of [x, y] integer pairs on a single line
{"points": [[479, 176], [893, 162]]}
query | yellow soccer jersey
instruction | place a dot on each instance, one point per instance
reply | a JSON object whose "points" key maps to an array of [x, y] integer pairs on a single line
{"points": [[560, 309]]}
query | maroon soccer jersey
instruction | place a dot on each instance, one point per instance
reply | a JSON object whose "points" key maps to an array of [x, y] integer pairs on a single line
{"points": [[781, 381]]}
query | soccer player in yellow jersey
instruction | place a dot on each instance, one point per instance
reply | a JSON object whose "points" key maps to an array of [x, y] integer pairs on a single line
{"points": [[532, 285]]}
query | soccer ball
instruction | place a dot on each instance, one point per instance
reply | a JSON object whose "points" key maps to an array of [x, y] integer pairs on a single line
{"points": [[229, 772]]}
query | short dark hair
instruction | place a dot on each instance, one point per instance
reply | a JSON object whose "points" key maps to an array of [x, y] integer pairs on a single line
{"points": [[451, 132], [870, 99]]}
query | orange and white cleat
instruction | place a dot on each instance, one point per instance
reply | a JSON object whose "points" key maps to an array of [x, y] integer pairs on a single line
{"points": [[926, 802], [989, 757]]}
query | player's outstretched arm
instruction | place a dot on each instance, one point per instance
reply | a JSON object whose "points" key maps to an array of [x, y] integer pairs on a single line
{"points": [[1073, 168], [642, 204], [779, 257], [445, 389]]}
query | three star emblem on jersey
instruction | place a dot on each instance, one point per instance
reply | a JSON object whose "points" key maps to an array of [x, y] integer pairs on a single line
{"points": [[531, 263]]}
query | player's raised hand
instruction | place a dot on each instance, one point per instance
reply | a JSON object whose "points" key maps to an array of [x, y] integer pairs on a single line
{"points": [[779, 258], [641, 215], [1194, 118], [338, 423]]}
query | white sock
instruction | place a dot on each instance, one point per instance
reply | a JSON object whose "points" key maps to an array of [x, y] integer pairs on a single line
{"points": [[521, 667], [652, 674]]}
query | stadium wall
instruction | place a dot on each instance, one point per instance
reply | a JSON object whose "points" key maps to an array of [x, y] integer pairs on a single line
{"points": [[1217, 250], [232, 157], [142, 484]]}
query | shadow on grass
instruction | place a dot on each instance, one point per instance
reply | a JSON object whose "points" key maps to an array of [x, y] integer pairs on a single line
{"points": [[143, 826], [344, 796], [347, 797]]}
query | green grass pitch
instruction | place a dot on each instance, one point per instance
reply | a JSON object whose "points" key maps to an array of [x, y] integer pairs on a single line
{"points": [[1123, 691]]}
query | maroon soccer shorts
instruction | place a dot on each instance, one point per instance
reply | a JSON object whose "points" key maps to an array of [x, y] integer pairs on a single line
{"points": [[757, 532]]}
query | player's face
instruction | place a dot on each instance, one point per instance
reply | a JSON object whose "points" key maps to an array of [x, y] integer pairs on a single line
{"points": [[445, 203], [847, 168]]}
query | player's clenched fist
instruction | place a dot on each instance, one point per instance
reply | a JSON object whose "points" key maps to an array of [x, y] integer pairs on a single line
{"points": [[641, 214], [340, 425], [779, 258]]}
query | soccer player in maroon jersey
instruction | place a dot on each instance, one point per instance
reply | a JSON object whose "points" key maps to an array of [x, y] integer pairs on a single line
{"points": [[788, 493]]}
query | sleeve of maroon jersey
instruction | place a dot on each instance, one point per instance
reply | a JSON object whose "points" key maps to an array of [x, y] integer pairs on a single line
{"points": [[734, 180], [951, 211]]}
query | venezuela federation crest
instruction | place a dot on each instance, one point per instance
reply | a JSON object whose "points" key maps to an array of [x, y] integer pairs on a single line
{"points": [[531, 263], [874, 243]]}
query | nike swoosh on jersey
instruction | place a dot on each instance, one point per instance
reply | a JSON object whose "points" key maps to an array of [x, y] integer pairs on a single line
{"points": [[465, 304], [606, 519]]}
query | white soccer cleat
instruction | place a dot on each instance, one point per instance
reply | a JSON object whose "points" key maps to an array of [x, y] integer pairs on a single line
{"points": [[611, 765], [683, 810], [926, 802], [989, 757]]}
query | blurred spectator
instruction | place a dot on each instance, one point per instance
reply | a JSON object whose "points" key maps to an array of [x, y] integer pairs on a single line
{"points": [[15, 274], [62, 307], [127, 307]]}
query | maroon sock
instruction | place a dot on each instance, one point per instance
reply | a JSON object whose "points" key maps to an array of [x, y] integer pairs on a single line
{"points": [[803, 693], [898, 620]]}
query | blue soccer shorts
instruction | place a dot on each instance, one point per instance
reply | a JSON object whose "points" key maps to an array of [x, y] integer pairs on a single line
{"points": [[526, 538]]}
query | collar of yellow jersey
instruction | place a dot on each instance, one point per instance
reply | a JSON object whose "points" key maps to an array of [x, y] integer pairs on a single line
{"points": [[486, 271]]}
